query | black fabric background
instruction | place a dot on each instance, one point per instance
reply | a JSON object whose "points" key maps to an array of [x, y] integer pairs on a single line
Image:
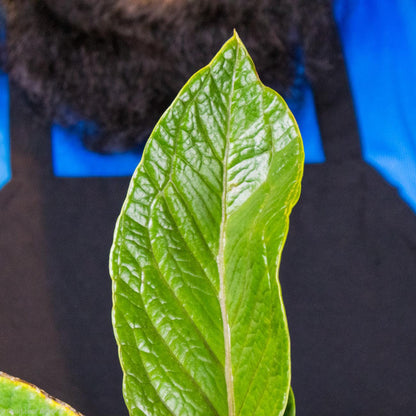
{"points": [[349, 276], [55, 308]]}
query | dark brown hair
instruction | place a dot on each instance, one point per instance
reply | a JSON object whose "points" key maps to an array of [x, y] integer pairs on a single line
{"points": [[120, 63]]}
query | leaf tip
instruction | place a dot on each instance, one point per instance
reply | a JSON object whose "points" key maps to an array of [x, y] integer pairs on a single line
{"points": [[236, 37]]}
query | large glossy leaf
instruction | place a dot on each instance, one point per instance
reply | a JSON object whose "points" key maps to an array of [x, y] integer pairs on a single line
{"points": [[23, 399], [198, 312]]}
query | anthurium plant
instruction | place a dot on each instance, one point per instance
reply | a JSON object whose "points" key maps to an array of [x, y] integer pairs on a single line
{"points": [[197, 305]]}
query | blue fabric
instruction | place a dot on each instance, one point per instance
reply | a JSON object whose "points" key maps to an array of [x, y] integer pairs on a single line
{"points": [[379, 39], [72, 159], [5, 165], [303, 108]]}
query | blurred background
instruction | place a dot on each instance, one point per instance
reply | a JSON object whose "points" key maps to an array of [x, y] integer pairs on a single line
{"points": [[82, 84]]}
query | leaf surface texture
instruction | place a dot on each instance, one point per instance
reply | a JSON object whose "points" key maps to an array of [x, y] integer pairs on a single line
{"points": [[198, 312]]}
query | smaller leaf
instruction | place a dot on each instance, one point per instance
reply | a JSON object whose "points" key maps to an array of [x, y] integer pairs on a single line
{"points": [[20, 398], [290, 407]]}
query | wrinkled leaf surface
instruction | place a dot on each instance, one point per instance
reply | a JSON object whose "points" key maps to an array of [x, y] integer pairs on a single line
{"points": [[198, 312], [19, 398]]}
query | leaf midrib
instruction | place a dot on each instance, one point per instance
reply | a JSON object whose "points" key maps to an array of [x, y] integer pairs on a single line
{"points": [[220, 258]]}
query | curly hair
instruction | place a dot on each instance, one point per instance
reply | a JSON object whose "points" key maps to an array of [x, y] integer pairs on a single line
{"points": [[119, 63]]}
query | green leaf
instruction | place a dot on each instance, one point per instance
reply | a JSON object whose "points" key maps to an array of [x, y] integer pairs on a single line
{"points": [[198, 312], [291, 406], [20, 398]]}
